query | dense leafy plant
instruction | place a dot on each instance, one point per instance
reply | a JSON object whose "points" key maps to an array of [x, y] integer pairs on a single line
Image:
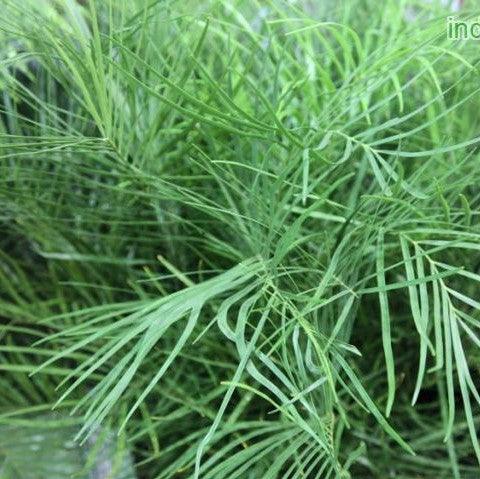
{"points": [[244, 234]]}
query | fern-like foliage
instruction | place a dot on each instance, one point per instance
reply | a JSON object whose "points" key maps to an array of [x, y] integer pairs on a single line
{"points": [[243, 234]]}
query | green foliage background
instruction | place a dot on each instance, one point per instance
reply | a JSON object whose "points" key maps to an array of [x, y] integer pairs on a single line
{"points": [[243, 234]]}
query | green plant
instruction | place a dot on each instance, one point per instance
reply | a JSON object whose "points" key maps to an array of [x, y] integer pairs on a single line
{"points": [[245, 234]]}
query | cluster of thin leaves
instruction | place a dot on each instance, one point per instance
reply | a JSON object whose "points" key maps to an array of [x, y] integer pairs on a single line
{"points": [[245, 234]]}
